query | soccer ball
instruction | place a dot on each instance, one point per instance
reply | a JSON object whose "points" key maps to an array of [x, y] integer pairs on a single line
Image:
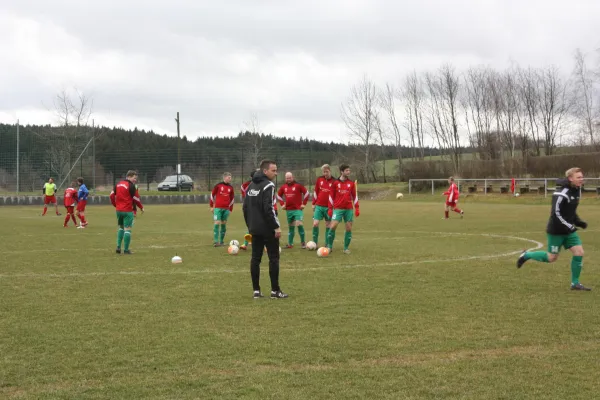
{"points": [[233, 250], [311, 245], [323, 252], [399, 196], [517, 194], [176, 260], [234, 243]]}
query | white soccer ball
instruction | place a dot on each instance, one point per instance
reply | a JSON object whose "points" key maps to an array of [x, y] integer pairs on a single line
{"points": [[176, 260], [234, 243], [311, 245], [323, 252], [233, 250], [517, 194], [399, 196]]}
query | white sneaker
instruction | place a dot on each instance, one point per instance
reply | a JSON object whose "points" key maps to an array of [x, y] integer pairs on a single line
{"points": [[81, 227]]}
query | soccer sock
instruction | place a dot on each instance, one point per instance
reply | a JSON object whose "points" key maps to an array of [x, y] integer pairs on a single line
{"points": [[301, 232], [67, 220], [316, 234], [223, 230], [331, 238], [216, 233], [327, 230], [541, 256], [45, 209], [446, 214], [347, 239], [245, 241], [127, 239], [576, 265], [457, 210], [291, 235], [73, 218], [120, 234]]}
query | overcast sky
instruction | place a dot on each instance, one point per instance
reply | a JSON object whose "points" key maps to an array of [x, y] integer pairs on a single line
{"points": [[289, 63]]}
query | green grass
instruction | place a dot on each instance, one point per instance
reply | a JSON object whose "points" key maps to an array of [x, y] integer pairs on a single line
{"points": [[422, 309]]}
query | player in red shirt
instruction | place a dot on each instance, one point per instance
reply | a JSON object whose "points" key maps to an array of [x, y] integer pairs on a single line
{"points": [[70, 200], [452, 195], [123, 197], [293, 198], [320, 202], [342, 200], [221, 205]]}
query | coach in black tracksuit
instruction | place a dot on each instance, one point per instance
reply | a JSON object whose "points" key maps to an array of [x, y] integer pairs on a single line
{"points": [[263, 225], [562, 227]]}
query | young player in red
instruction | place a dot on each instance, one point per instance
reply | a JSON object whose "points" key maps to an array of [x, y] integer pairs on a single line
{"points": [[70, 200], [452, 195], [342, 200], [221, 205], [123, 197], [320, 202], [293, 198], [82, 195], [49, 193]]}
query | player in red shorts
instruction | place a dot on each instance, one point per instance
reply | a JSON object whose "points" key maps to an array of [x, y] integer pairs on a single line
{"points": [[49, 193], [82, 195], [70, 200], [452, 195]]}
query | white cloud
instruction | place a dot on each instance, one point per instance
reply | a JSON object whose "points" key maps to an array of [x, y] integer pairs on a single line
{"points": [[290, 63]]}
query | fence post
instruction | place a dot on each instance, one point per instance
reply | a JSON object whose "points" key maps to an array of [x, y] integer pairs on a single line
{"points": [[545, 188], [485, 187], [432, 188], [409, 186]]}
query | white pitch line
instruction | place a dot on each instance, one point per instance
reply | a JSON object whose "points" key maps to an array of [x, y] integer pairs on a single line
{"points": [[538, 245]]}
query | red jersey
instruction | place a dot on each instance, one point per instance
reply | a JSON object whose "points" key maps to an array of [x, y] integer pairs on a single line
{"points": [[343, 195], [124, 196], [222, 196], [295, 194], [70, 197], [244, 188], [322, 191], [452, 194]]}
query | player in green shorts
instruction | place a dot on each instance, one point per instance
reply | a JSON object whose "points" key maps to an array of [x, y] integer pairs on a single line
{"points": [[562, 227], [221, 204], [320, 202], [293, 198], [343, 201]]}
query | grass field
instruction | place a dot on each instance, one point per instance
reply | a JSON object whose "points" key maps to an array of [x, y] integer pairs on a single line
{"points": [[422, 309]]}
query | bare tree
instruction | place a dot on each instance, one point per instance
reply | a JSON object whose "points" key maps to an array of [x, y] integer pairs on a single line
{"points": [[443, 90], [529, 91], [414, 100], [585, 108], [554, 106], [478, 104], [388, 104], [359, 114], [254, 140]]}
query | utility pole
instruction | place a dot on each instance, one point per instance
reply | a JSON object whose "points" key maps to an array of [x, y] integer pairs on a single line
{"points": [[18, 150], [94, 156], [178, 153]]}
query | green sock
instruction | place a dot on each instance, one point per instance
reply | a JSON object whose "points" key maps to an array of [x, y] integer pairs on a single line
{"points": [[316, 234], [127, 239], [223, 230], [331, 238], [576, 265], [327, 232], [541, 256], [347, 239], [245, 241], [301, 232], [291, 234], [216, 233], [119, 237]]}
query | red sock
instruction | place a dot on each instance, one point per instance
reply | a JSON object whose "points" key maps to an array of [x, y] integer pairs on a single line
{"points": [[446, 214], [73, 218], [67, 220], [457, 210], [45, 209]]}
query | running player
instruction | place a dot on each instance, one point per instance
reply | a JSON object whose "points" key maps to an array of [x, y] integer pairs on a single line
{"points": [[82, 196], [70, 200], [342, 200], [562, 227], [452, 195]]}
